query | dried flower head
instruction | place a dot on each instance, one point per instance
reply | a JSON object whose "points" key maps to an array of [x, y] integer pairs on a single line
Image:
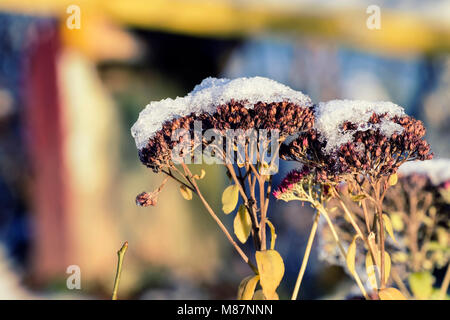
{"points": [[360, 137], [220, 104]]}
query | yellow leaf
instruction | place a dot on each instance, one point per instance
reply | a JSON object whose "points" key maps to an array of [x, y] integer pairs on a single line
{"points": [[391, 294], [271, 271], [242, 224], [201, 176], [332, 209], [397, 222], [393, 179], [230, 198], [186, 192], [373, 272], [247, 287], [442, 235], [387, 266], [259, 295], [351, 255], [388, 226], [273, 234], [358, 197], [421, 284]]}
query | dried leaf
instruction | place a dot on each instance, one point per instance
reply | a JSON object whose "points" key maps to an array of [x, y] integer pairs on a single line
{"points": [[230, 198], [247, 287], [391, 294], [388, 226], [271, 271], [186, 192], [242, 224]]}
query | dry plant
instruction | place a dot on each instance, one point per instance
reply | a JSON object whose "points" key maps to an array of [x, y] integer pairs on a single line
{"points": [[348, 154]]}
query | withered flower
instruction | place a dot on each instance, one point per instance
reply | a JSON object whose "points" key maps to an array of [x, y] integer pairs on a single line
{"points": [[372, 138], [220, 104]]}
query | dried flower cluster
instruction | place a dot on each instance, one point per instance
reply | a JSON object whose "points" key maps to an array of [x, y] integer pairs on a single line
{"points": [[286, 117], [370, 151]]}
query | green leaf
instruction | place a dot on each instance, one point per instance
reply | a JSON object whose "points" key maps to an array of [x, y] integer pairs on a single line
{"points": [[230, 198], [421, 284], [242, 224], [271, 271], [388, 226], [247, 287], [391, 294], [186, 192]]}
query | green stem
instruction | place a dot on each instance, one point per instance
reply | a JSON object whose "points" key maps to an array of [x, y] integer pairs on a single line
{"points": [[120, 254]]}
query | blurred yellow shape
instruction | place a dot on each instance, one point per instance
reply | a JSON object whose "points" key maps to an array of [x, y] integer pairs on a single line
{"points": [[400, 31]]}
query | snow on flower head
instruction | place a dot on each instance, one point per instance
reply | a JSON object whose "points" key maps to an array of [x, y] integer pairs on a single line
{"points": [[372, 138], [220, 104], [332, 115], [205, 98], [436, 170]]}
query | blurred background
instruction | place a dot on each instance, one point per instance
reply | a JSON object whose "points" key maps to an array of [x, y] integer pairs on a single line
{"points": [[74, 76]]}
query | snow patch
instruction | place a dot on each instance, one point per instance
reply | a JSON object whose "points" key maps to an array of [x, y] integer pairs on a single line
{"points": [[437, 170], [331, 115], [206, 96]]}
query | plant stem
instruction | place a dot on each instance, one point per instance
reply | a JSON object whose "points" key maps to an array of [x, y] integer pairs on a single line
{"points": [[262, 206], [379, 215], [358, 230], [400, 283], [445, 284], [241, 184], [341, 248], [306, 256], [214, 216], [120, 254], [170, 174]]}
